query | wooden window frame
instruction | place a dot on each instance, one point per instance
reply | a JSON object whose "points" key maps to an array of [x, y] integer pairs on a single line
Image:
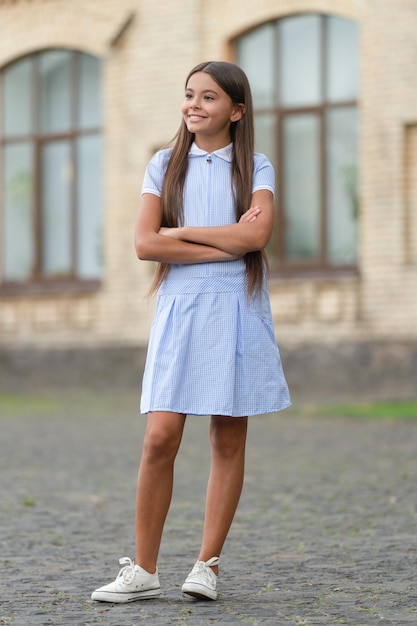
{"points": [[320, 265], [38, 283]]}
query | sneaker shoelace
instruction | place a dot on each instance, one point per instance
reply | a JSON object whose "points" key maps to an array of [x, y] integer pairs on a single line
{"points": [[128, 570], [203, 569]]}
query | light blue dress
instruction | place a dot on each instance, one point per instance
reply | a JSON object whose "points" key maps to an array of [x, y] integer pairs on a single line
{"points": [[211, 351]]}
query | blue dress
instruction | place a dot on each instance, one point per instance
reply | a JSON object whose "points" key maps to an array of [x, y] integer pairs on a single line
{"points": [[211, 350]]}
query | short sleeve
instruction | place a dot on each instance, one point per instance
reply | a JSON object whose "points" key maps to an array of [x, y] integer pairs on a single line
{"points": [[155, 172], [263, 174]]}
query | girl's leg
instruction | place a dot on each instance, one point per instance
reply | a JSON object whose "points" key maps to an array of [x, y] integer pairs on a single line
{"points": [[228, 442], [155, 482]]}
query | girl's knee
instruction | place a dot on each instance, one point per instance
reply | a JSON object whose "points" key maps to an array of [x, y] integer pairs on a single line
{"points": [[157, 445], [228, 435], [161, 442]]}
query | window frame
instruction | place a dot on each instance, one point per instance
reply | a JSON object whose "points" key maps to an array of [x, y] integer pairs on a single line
{"points": [[278, 262], [38, 283]]}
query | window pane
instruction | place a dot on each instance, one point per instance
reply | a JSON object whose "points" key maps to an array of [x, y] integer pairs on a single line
{"points": [[55, 85], [89, 92], [90, 204], [342, 185], [265, 136], [17, 99], [255, 53], [18, 246], [343, 60], [300, 60], [302, 186], [265, 141], [56, 215]]}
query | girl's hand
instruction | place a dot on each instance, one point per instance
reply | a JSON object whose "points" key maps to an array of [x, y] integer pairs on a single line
{"points": [[250, 215]]}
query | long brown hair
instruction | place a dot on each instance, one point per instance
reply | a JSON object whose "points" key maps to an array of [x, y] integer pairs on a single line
{"points": [[235, 83]]}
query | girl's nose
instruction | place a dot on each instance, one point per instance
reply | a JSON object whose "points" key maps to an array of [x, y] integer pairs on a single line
{"points": [[195, 103]]}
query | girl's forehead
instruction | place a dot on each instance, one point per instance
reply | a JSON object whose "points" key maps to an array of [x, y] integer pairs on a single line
{"points": [[202, 80]]}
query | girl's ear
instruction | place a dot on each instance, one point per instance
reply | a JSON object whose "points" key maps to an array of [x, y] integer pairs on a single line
{"points": [[238, 113]]}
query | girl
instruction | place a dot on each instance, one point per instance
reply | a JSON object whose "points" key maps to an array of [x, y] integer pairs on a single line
{"points": [[206, 214]]}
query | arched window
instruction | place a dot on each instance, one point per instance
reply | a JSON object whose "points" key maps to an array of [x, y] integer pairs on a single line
{"points": [[51, 153], [303, 71]]}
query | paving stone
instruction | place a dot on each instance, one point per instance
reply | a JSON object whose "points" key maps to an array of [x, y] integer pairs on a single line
{"points": [[325, 533]]}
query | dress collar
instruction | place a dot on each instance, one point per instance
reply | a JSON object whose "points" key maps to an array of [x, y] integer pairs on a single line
{"points": [[225, 153]]}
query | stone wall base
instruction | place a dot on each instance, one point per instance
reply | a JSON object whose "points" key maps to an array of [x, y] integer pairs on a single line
{"points": [[345, 371]]}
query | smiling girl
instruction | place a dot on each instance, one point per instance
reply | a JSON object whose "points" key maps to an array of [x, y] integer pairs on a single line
{"points": [[205, 216]]}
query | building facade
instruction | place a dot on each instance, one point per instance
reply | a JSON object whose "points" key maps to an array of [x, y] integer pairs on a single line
{"points": [[91, 88]]}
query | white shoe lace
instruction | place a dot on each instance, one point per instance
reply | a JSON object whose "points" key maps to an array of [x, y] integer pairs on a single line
{"points": [[128, 570], [203, 569]]}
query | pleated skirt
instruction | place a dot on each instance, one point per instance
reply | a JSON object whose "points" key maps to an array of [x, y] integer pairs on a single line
{"points": [[212, 351]]}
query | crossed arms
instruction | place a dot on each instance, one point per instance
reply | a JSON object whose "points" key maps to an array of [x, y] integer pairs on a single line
{"points": [[195, 244]]}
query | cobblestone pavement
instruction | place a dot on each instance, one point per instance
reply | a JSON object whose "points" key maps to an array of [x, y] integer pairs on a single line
{"points": [[325, 533]]}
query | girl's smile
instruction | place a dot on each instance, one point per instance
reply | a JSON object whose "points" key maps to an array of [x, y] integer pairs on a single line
{"points": [[193, 117]]}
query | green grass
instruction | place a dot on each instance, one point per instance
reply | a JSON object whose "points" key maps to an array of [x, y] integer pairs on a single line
{"points": [[59, 403], [107, 403], [16, 404], [379, 410]]}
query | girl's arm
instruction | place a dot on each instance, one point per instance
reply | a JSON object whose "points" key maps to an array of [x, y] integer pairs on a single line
{"points": [[150, 245], [251, 233]]}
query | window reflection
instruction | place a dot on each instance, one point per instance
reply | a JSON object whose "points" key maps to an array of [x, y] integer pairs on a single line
{"points": [[17, 109], [55, 91], [89, 202], [265, 135], [302, 186], [300, 66], [343, 203], [18, 222], [89, 92], [343, 60], [56, 216], [256, 55]]}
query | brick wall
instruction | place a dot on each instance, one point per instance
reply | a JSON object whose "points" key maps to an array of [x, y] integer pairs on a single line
{"points": [[389, 107], [147, 49]]}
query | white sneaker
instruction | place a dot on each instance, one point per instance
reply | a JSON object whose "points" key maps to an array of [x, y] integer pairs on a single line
{"points": [[132, 583], [201, 581]]}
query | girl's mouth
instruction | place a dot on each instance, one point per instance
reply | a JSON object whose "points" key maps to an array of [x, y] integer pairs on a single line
{"points": [[196, 118]]}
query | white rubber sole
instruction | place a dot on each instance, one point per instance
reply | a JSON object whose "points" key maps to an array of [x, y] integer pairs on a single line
{"points": [[199, 591], [120, 598]]}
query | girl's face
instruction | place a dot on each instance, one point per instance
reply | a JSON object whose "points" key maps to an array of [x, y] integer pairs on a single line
{"points": [[208, 111]]}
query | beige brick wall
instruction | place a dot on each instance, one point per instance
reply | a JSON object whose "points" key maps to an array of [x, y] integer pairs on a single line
{"points": [[389, 104], [145, 66], [410, 193]]}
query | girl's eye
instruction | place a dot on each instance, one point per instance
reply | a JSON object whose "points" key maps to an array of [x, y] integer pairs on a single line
{"points": [[188, 96], [208, 98]]}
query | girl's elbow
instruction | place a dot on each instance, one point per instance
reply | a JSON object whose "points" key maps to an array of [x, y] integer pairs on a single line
{"points": [[140, 255], [258, 237], [262, 239], [250, 246], [147, 246], [259, 242], [142, 250]]}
